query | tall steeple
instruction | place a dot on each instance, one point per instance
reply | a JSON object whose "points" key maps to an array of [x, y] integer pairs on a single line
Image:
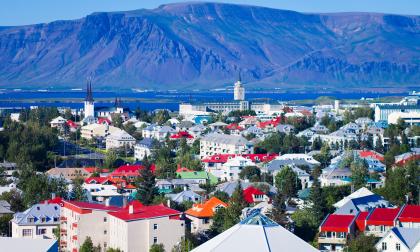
{"points": [[239, 90], [89, 94]]}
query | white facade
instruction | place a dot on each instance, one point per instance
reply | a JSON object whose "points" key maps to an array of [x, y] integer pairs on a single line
{"points": [[140, 151], [410, 118], [140, 235], [234, 166], [213, 144], [97, 130], [119, 139], [89, 108], [407, 240], [239, 91]]}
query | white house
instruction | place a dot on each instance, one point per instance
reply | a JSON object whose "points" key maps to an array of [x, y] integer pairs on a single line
{"points": [[143, 148], [400, 239], [215, 143], [231, 169], [39, 221], [57, 122], [119, 139]]}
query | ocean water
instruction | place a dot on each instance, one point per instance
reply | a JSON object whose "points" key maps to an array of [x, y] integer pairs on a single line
{"points": [[158, 100]]}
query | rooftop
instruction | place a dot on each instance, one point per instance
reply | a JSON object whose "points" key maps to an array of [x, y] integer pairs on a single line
{"points": [[337, 223]]}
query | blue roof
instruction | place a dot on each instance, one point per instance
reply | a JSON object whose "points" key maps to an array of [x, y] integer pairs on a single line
{"points": [[256, 218], [410, 236]]}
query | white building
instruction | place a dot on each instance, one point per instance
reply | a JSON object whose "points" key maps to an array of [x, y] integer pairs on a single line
{"points": [[57, 122], [39, 221], [400, 239], [231, 169], [89, 105], [119, 139], [132, 228], [215, 143], [239, 91], [410, 118], [97, 130], [143, 148]]}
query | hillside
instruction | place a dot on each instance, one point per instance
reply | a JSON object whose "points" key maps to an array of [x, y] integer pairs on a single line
{"points": [[205, 45]]}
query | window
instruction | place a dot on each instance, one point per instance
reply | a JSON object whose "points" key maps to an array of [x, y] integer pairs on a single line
{"points": [[43, 219], [31, 219], [155, 226], [155, 240], [55, 219], [105, 219], [41, 231], [27, 232], [398, 247], [384, 246], [105, 232]]}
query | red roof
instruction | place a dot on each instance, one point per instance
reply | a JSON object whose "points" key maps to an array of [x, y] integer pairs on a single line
{"points": [[71, 124], [95, 169], [129, 170], [410, 213], [103, 120], [130, 186], [144, 212], [383, 216], [371, 154], [273, 123], [181, 134], [234, 126], [249, 192], [338, 223], [407, 158], [223, 158], [360, 220], [96, 180], [56, 200], [91, 206]]}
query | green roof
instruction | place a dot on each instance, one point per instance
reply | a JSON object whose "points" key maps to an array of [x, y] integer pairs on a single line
{"points": [[198, 175]]}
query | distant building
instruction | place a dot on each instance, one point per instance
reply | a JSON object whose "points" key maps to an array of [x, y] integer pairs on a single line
{"points": [[215, 143], [39, 221], [119, 139], [239, 91], [89, 108]]}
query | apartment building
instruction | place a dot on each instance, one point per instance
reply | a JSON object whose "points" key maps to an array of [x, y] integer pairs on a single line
{"points": [[215, 143], [119, 139], [131, 228]]}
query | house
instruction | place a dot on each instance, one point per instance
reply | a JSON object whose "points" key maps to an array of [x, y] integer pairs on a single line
{"points": [[365, 196], [335, 176], [231, 169], [234, 129], [97, 131], [68, 173], [128, 172], [230, 186], [5, 208], [197, 130], [57, 122], [400, 239], [335, 230], [285, 128], [381, 220], [255, 233], [119, 139], [215, 143], [143, 148], [201, 214], [186, 195], [217, 161], [181, 135], [253, 195], [25, 244], [409, 217], [310, 161], [157, 132], [198, 177], [303, 176], [39, 221], [184, 125]]}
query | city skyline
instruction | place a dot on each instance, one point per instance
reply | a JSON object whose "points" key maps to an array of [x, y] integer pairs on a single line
{"points": [[21, 12]]}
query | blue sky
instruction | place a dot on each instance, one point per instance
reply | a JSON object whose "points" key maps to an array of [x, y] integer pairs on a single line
{"points": [[20, 12]]}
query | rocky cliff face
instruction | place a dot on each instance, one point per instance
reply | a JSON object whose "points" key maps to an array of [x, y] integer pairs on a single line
{"points": [[205, 45]]}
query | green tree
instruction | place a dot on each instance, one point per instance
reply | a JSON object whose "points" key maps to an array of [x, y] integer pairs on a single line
{"points": [[317, 198], [117, 120], [362, 243], [157, 248], [113, 250], [359, 172], [87, 245], [4, 224], [278, 212], [287, 182], [110, 159], [78, 192], [15, 200], [306, 224], [221, 196], [251, 173], [146, 184]]}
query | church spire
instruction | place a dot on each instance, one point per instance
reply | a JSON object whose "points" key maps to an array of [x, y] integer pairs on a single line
{"points": [[89, 94]]}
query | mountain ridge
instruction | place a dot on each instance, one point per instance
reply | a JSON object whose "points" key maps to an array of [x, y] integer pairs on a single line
{"points": [[204, 45]]}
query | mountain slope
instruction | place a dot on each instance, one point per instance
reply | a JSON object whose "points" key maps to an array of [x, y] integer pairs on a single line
{"points": [[205, 45]]}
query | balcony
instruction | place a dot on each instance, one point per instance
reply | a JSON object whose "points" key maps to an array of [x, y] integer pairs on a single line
{"points": [[332, 240], [63, 231], [74, 237], [74, 225], [63, 218]]}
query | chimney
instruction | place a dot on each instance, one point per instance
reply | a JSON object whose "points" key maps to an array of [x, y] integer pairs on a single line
{"points": [[52, 195], [124, 202], [168, 203], [130, 209], [107, 201]]}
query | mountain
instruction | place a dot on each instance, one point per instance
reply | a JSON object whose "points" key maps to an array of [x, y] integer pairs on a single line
{"points": [[206, 45]]}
